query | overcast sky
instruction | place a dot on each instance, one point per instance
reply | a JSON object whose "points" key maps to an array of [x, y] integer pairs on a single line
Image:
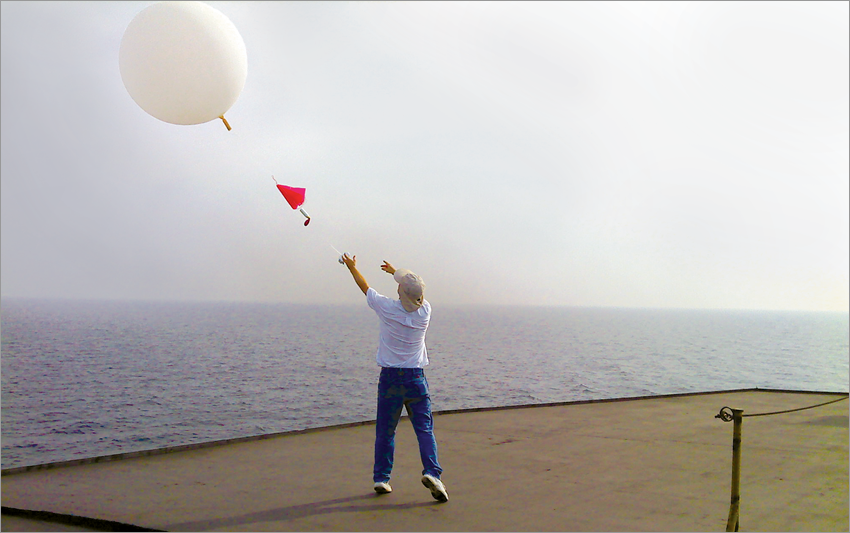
{"points": [[684, 155]]}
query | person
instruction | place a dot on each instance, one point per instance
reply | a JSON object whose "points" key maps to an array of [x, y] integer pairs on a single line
{"points": [[402, 357]]}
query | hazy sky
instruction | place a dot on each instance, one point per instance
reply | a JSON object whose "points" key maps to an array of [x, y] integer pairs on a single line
{"points": [[690, 155]]}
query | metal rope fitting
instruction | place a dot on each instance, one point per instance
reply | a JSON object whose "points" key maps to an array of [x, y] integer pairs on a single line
{"points": [[725, 414]]}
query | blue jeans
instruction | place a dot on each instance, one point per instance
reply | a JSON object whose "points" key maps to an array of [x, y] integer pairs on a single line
{"points": [[397, 388]]}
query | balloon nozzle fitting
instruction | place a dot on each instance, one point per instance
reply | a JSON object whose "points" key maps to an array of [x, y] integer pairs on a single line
{"points": [[225, 122]]}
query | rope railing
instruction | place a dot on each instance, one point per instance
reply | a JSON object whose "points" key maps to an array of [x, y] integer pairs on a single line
{"points": [[728, 414]]}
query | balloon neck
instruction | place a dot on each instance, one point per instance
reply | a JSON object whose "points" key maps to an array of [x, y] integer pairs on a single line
{"points": [[225, 122]]}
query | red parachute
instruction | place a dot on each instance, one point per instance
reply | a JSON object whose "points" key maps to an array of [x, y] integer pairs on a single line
{"points": [[295, 197]]}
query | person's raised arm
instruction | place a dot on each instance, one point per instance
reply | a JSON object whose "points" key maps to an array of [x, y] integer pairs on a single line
{"points": [[388, 268], [351, 263]]}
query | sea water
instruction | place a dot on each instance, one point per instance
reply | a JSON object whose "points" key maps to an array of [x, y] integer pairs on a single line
{"points": [[89, 378]]}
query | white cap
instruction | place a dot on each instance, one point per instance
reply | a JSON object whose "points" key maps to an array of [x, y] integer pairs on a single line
{"points": [[411, 289]]}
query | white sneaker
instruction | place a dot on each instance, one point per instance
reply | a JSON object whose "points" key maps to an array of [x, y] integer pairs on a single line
{"points": [[383, 487], [438, 490]]}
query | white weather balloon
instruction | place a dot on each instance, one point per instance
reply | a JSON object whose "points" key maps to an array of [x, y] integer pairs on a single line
{"points": [[183, 62]]}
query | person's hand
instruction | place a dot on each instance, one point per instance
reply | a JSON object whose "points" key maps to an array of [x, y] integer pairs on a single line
{"points": [[388, 268], [350, 262]]}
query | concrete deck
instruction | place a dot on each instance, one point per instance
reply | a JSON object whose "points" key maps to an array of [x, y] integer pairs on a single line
{"points": [[656, 464]]}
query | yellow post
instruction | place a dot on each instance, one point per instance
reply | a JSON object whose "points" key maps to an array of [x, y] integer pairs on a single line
{"points": [[734, 507]]}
